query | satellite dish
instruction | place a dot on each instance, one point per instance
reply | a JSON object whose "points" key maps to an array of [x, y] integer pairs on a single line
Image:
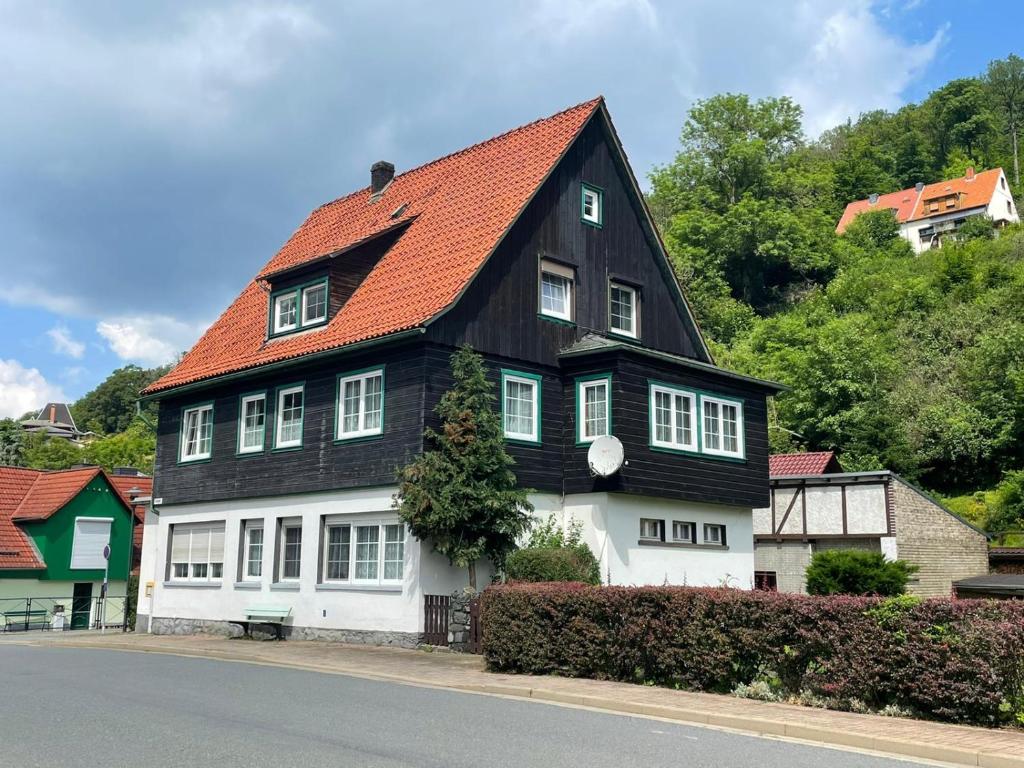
{"points": [[605, 456]]}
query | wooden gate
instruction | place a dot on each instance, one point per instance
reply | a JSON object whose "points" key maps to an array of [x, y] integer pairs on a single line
{"points": [[476, 635], [435, 619]]}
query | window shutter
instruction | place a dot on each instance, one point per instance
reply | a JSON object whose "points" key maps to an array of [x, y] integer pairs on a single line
{"points": [[217, 544], [179, 544], [200, 545], [91, 536]]}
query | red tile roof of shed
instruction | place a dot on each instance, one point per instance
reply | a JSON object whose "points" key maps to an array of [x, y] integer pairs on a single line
{"points": [[457, 209], [815, 463]]}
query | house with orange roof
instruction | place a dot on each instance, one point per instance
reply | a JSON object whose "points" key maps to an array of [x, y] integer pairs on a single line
{"points": [[931, 213], [54, 527], [281, 430], [816, 506]]}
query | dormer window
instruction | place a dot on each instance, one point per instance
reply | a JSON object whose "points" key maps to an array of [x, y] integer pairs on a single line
{"points": [[300, 307], [591, 205]]}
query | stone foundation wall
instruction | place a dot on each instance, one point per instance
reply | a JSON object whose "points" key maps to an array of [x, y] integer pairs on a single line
{"points": [[177, 626], [458, 619]]}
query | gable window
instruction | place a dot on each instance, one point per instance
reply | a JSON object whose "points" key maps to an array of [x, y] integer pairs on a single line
{"points": [[673, 418], [593, 408], [288, 427], [360, 404], [314, 304], [370, 552], [622, 310], [196, 432], [197, 552], [252, 422], [591, 205], [1009, 207], [723, 427], [556, 286], [300, 307], [92, 535], [685, 533], [290, 551], [714, 534], [286, 312], [520, 405], [252, 550], [652, 530]]}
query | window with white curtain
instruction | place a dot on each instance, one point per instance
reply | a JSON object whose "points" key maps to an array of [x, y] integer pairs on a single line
{"points": [[196, 432], [361, 404], [288, 426], [197, 552], [673, 415], [593, 409], [722, 433], [521, 405], [252, 422], [370, 552]]}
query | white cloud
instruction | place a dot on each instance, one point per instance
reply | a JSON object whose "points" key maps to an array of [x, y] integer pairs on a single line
{"points": [[64, 343], [149, 340], [24, 389]]}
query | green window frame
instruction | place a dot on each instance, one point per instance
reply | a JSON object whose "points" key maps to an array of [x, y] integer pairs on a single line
{"points": [[591, 205], [584, 384], [244, 401], [359, 404], [512, 419], [716, 422], [298, 299], [202, 435], [279, 414]]}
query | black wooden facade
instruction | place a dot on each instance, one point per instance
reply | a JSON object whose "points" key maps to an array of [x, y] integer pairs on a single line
{"points": [[498, 315]]}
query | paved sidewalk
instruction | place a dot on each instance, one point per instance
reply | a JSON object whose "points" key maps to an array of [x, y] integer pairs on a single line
{"points": [[960, 745]]}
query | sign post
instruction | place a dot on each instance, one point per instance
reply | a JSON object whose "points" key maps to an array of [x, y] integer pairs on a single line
{"points": [[103, 589]]}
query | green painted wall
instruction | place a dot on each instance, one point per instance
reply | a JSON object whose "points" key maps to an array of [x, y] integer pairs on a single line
{"points": [[54, 537]]}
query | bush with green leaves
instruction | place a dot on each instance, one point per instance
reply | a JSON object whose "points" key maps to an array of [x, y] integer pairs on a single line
{"points": [[554, 553], [857, 572]]}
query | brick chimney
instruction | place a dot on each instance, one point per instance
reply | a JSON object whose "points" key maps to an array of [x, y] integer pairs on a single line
{"points": [[381, 174], [970, 173], [53, 413]]}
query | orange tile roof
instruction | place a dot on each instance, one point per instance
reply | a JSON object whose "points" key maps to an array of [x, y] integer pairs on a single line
{"points": [[457, 209], [16, 551], [909, 204], [812, 463], [51, 491], [124, 483]]}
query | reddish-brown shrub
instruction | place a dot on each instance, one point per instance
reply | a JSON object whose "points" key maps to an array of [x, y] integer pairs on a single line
{"points": [[960, 661]]}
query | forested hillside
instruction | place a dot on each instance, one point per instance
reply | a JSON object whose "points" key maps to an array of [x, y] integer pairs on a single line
{"points": [[915, 364]]}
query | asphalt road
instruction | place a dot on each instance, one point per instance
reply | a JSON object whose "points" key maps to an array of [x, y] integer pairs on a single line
{"points": [[82, 707]]}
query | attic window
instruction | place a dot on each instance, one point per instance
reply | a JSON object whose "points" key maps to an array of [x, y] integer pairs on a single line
{"points": [[591, 205], [399, 210], [300, 307]]}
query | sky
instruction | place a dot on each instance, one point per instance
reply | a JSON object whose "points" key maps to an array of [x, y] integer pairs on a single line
{"points": [[154, 156]]}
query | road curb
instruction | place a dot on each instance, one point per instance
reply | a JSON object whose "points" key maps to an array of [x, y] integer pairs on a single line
{"points": [[758, 726]]}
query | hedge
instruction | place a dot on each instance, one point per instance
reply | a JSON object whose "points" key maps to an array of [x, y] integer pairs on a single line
{"points": [[537, 564], [953, 660]]}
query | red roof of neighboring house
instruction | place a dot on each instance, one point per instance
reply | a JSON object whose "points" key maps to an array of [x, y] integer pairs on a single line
{"points": [[909, 204], [31, 494], [814, 463], [124, 483], [456, 211]]}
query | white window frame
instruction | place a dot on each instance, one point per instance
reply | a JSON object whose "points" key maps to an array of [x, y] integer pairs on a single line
{"points": [[242, 404], [279, 416], [634, 306], [94, 561], [659, 526], [183, 437], [280, 327], [582, 385], [285, 526], [560, 272], [248, 527], [362, 377], [597, 195], [535, 385], [354, 524], [672, 392], [740, 451], [693, 532], [306, 321], [209, 528], [721, 534]]}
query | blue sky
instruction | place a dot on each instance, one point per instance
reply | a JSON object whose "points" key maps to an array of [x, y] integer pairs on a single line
{"points": [[153, 158]]}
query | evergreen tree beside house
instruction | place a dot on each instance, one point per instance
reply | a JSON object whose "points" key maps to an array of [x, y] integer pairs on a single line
{"points": [[281, 432]]}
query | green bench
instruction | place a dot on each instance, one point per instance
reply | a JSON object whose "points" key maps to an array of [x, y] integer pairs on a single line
{"points": [[22, 621], [271, 615]]}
